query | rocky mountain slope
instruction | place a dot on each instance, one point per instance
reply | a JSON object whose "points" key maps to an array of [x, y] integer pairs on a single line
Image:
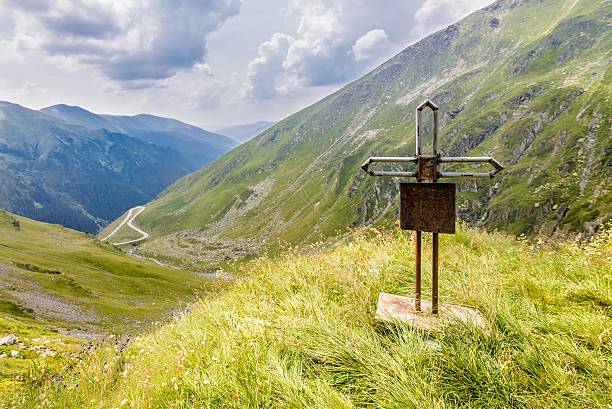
{"points": [[81, 178], [244, 133], [198, 146], [528, 81]]}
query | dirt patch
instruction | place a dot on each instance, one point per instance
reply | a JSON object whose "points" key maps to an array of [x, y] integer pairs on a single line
{"points": [[209, 245], [44, 305]]}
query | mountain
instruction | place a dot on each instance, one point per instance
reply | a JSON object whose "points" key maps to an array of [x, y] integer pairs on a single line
{"points": [[244, 133], [197, 145], [528, 81], [79, 177]]}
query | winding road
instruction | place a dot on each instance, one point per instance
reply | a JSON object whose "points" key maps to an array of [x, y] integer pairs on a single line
{"points": [[132, 214]]}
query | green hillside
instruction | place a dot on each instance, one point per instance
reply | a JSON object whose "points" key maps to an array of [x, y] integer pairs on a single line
{"points": [[299, 332], [526, 81], [59, 283]]}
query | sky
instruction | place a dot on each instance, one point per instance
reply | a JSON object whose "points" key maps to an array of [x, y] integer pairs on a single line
{"points": [[211, 63]]}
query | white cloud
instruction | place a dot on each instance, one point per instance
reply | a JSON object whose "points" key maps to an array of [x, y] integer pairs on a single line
{"points": [[263, 70], [7, 27], [335, 41], [135, 42], [371, 44], [204, 68], [436, 14], [27, 89], [168, 57], [207, 95]]}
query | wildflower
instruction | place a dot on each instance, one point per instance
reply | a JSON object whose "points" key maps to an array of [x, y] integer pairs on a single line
{"points": [[124, 402]]}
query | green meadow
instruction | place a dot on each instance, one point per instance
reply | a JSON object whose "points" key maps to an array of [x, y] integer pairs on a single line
{"points": [[298, 331], [62, 285]]}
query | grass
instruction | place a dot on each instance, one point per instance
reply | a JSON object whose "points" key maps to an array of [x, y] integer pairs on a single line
{"points": [[298, 331], [58, 281]]}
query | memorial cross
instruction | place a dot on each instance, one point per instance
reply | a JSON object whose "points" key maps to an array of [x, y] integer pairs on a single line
{"points": [[428, 206]]}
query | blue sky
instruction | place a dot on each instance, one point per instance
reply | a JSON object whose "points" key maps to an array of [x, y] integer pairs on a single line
{"points": [[207, 62]]}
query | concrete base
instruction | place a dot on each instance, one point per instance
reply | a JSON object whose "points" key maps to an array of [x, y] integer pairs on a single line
{"points": [[395, 308]]}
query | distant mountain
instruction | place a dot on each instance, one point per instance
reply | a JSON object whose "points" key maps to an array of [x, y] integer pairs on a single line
{"points": [[244, 133], [72, 175], [197, 145], [528, 81]]}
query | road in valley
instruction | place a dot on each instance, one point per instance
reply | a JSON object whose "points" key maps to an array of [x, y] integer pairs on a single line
{"points": [[129, 219]]}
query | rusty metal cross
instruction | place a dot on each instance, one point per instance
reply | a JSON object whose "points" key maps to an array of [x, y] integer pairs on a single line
{"points": [[427, 205]]}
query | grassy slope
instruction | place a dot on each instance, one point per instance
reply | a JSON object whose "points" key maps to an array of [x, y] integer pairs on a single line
{"points": [[534, 92], [299, 332], [98, 290]]}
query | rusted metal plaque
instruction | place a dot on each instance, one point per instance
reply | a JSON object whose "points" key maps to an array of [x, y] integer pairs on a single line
{"points": [[428, 207]]}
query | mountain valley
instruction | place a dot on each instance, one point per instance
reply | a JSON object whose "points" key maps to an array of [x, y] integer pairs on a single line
{"points": [[86, 174], [149, 263], [528, 82]]}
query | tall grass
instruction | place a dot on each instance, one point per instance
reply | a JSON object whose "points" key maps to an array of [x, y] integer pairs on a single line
{"points": [[298, 331]]}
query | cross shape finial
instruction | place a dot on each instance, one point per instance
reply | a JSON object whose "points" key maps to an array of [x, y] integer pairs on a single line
{"points": [[427, 103]]}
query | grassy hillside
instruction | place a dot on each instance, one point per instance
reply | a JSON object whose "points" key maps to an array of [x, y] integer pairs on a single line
{"points": [[298, 332], [526, 81], [58, 283]]}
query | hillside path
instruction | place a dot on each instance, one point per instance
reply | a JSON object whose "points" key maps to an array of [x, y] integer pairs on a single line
{"points": [[129, 219]]}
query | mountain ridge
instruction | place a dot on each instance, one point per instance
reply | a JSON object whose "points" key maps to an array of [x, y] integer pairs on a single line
{"points": [[246, 132], [197, 145], [82, 178]]}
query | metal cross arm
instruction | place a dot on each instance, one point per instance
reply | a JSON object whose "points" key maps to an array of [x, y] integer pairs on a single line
{"points": [[389, 159], [497, 167]]}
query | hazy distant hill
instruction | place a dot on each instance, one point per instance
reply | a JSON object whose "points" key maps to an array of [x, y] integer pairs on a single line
{"points": [[79, 177], [244, 133], [197, 145], [528, 81]]}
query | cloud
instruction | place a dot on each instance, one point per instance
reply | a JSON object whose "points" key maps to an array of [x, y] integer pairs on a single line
{"points": [[209, 96], [131, 42], [28, 5], [7, 27], [30, 88], [263, 70], [370, 44], [86, 20], [436, 14], [337, 40]]}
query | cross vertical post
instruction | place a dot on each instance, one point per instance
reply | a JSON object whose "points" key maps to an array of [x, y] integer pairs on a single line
{"points": [[434, 275], [417, 270], [427, 171]]}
